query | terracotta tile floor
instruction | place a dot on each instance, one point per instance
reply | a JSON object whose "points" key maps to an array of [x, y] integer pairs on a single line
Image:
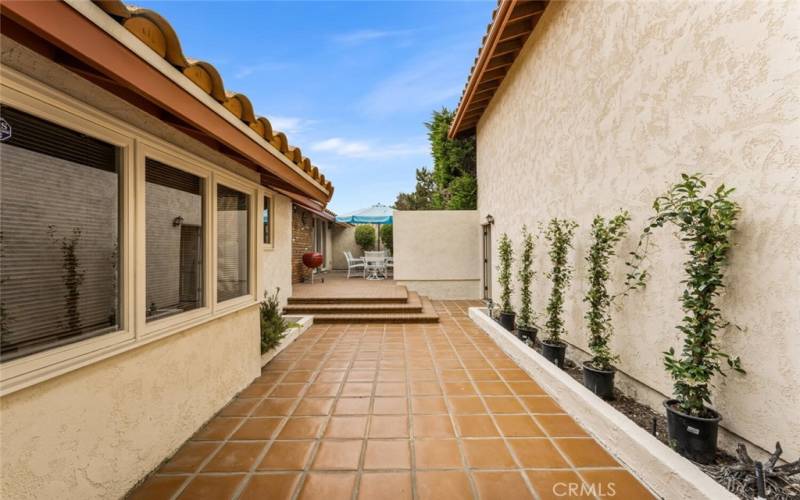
{"points": [[392, 411]]}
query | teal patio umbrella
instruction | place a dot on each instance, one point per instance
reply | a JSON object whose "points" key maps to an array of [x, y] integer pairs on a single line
{"points": [[376, 214]]}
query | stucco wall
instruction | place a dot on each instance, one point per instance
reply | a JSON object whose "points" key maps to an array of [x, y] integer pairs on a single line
{"points": [[276, 262], [344, 239], [606, 105], [94, 432], [437, 252]]}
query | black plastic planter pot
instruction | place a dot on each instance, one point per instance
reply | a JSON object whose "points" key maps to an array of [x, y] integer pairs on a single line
{"points": [[527, 333], [507, 320], [600, 382], [554, 352], [693, 437]]}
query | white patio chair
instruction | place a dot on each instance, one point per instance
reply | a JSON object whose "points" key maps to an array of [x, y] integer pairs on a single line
{"points": [[353, 263], [390, 265]]}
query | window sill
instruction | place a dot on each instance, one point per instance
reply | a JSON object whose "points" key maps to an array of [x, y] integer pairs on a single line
{"points": [[15, 378]]}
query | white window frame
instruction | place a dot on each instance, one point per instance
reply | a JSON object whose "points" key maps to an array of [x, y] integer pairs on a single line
{"points": [[33, 97], [271, 196]]}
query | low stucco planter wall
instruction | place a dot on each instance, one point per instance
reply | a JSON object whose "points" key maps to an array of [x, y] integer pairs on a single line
{"points": [[304, 323], [664, 471]]}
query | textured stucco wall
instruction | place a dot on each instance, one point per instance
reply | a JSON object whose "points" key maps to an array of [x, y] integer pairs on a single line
{"points": [[343, 239], [606, 105], [276, 263], [95, 432], [437, 252]]}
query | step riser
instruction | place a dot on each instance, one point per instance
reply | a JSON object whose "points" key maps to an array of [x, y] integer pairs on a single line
{"points": [[352, 300], [353, 310], [333, 321]]}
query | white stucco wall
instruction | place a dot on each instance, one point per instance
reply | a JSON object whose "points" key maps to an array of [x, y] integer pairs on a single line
{"points": [[437, 252], [606, 105], [276, 263], [94, 432]]}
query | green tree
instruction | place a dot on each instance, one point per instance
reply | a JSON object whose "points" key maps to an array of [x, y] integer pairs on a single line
{"points": [[365, 237], [422, 197], [451, 185], [559, 234], [387, 236]]}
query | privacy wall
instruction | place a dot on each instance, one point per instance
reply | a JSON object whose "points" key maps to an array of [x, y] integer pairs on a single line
{"points": [[437, 252], [608, 103]]}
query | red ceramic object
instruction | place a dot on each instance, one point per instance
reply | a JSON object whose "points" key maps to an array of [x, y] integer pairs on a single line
{"points": [[312, 259]]}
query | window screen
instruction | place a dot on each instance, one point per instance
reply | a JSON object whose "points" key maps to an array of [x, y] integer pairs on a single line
{"points": [[59, 236], [233, 236], [174, 240]]}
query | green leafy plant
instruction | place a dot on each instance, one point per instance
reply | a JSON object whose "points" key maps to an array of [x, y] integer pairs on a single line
{"points": [[605, 235], [462, 193], [387, 236], [273, 325], [504, 276], [365, 237], [705, 221], [559, 235], [72, 275], [525, 275]]}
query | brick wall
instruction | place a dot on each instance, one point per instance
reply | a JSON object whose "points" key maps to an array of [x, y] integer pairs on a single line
{"points": [[302, 242]]}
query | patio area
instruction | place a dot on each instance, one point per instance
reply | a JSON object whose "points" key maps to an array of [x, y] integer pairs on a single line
{"points": [[393, 411]]}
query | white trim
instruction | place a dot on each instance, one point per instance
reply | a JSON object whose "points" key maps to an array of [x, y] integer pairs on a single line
{"points": [[105, 22], [31, 96], [667, 473]]}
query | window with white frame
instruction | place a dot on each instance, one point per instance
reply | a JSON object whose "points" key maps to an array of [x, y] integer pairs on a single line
{"points": [[60, 228], [320, 236], [233, 236], [266, 221], [174, 238]]}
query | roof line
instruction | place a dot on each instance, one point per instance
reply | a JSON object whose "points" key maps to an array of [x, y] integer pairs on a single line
{"points": [[512, 23], [236, 109]]}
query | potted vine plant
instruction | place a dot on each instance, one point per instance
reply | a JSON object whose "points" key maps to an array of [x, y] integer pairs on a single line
{"points": [[559, 234], [598, 372], [705, 222], [526, 330], [504, 278]]}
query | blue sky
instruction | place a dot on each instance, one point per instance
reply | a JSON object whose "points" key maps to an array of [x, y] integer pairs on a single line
{"points": [[351, 83]]}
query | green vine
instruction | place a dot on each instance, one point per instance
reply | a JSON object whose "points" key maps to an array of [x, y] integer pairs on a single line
{"points": [[504, 275], [525, 275], [559, 234], [605, 235], [705, 222]]}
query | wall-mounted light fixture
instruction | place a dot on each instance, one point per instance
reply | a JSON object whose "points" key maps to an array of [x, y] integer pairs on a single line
{"points": [[489, 219], [177, 221]]}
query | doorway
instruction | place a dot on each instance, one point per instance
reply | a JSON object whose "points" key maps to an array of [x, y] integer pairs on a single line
{"points": [[487, 261]]}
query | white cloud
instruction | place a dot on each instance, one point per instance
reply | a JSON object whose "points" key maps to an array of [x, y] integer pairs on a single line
{"points": [[424, 84], [289, 124], [363, 149], [262, 67], [362, 36]]}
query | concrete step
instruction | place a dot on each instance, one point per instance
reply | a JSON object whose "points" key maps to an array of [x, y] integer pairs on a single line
{"points": [[412, 305], [426, 315]]}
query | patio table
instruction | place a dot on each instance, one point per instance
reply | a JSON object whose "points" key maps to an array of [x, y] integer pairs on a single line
{"points": [[375, 265]]}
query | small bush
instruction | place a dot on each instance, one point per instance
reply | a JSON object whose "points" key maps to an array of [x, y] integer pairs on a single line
{"points": [[386, 237], [504, 277], [273, 325], [365, 237]]}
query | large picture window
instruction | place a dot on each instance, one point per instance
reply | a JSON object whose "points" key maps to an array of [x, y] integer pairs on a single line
{"points": [[174, 240], [233, 237], [59, 236]]}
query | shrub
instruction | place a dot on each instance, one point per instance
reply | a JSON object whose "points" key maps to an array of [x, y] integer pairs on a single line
{"points": [[365, 237], [462, 193], [387, 237], [559, 234], [705, 222], [504, 276], [605, 235], [525, 275], [273, 325]]}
